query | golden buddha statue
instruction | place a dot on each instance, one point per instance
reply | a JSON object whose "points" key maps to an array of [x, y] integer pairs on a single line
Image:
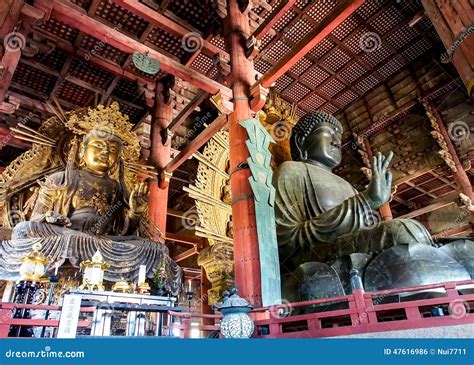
{"points": [[90, 205]]}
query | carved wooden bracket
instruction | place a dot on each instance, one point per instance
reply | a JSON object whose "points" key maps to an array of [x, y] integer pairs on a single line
{"points": [[252, 45], [164, 179], [222, 64], [223, 104], [259, 97], [43, 5]]}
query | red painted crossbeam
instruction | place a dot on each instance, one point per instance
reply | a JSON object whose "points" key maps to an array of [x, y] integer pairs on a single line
{"points": [[66, 13], [273, 17]]}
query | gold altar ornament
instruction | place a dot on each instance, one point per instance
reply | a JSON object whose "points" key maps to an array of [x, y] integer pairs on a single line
{"points": [[94, 272], [122, 286], [33, 265]]}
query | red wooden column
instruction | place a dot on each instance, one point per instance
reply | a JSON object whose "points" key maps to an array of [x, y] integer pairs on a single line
{"points": [[246, 251], [452, 19], [160, 150]]}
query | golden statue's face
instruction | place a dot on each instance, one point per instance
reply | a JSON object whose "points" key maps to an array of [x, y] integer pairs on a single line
{"points": [[101, 153]]}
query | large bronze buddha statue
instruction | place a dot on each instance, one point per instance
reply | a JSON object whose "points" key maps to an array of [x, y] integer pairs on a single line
{"points": [[320, 217], [88, 206]]}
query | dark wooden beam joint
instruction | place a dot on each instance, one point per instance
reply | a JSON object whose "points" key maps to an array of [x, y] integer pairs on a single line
{"points": [[252, 45], [224, 105], [222, 64], [164, 179], [258, 97]]}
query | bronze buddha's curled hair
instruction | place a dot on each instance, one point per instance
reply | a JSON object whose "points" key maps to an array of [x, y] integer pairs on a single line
{"points": [[305, 127]]}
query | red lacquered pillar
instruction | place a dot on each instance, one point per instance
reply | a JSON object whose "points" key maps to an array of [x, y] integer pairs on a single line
{"points": [[246, 251], [159, 156]]}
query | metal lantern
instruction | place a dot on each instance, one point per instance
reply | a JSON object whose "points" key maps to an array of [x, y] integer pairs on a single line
{"points": [[236, 322], [33, 265], [94, 272]]}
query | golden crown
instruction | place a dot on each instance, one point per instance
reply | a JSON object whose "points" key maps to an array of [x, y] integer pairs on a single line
{"points": [[110, 120]]}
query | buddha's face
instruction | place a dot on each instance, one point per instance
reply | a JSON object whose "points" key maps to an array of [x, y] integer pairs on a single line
{"points": [[101, 152], [324, 145]]}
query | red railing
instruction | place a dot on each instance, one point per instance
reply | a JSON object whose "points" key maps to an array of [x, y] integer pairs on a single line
{"points": [[363, 314], [7, 309], [186, 324]]}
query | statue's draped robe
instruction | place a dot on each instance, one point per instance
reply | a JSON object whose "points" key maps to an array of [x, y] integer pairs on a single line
{"points": [[320, 216], [90, 230]]}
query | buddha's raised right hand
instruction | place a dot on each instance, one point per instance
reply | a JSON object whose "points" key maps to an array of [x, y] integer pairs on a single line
{"points": [[58, 219], [380, 186]]}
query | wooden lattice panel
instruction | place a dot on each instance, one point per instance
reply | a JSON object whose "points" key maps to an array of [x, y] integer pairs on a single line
{"points": [[392, 66], [300, 29], [366, 84], [75, 94], [60, 29], [266, 39], [90, 74], [121, 19], [198, 14], [332, 87], [202, 63], [262, 66], [319, 9], [134, 114], [128, 90], [353, 41], [401, 36], [85, 4], [378, 55], [282, 83], [301, 66], [95, 47], [167, 42], [54, 59], [336, 60], [315, 76], [219, 42], [313, 102], [277, 51], [386, 20], [416, 50], [301, 4], [285, 20], [329, 108], [296, 92], [346, 98], [346, 27], [352, 72], [369, 8], [322, 48], [34, 79]]}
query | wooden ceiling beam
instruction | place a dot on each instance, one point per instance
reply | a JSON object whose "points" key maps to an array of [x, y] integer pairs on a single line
{"points": [[197, 143], [189, 240], [188, 109], [440, 203], [162, 22], [68, 14], [340, 13], [186, 254]]}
